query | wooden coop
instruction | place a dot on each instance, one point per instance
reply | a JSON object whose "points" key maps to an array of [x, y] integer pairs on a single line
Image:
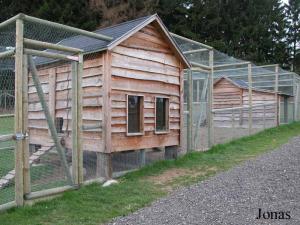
{"points": [[132, 92], [231, 104]]}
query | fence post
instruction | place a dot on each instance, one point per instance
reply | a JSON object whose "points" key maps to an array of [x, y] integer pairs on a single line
{"points": [[232, 117], [276, 96], [264, 119], [250, 98], [75, 163], [190, 109], [79, 118], [210, 97], [19, 123], [26, 169], [295, 96]]}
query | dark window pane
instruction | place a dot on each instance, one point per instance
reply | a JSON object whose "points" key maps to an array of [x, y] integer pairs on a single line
{"points": [[162, 111], [59, 123], [134, 114]]}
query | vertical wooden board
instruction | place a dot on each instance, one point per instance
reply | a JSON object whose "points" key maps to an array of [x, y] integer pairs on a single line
{"points": [[107, 101], [19, 123]]}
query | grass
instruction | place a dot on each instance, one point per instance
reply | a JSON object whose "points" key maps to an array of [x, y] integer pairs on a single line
{"points": [[94, 204]]}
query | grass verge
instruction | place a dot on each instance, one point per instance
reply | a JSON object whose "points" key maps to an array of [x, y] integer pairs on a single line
{"points": [[94, 205]]}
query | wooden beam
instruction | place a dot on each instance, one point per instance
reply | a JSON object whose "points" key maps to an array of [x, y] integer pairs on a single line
{"points": [[47, 193], [79, 118], [49, 119], [47, 45], [104, 165], [191, 41], [250, 98], [7, 54], [277, 103], [210, 98], [190, 109], [195, 51], [66, 28], [75, 140], [106, 133], [50, 55], [26, 169], [19, 120]]}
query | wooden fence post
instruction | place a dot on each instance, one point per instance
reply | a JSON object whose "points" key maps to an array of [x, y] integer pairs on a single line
{"points": [[26, 153], [79, 118], [19, 122], [75, 141], [250, 98], [210, 97], [276, 96], [190, 109]]}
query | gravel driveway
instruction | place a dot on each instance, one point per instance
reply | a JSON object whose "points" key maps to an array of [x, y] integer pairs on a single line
{"points": [[271, 182]]}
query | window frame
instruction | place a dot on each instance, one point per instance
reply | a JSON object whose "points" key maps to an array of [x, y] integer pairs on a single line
{"points": [[167, 116], [142, 130]]}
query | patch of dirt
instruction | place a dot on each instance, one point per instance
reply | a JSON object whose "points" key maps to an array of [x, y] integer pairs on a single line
{"points": [[169, 175], [169, 178]]}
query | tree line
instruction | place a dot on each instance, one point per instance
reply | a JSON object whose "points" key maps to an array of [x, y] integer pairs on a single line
{"points": [[262, 31]]}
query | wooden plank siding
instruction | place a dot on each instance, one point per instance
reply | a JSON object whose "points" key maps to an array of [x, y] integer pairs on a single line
{"points": [[57, 83], [144, 65], [228, 95]]}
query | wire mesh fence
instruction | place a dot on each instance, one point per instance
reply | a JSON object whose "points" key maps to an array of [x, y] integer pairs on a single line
{"points": [[7, 101], [61, 141]]}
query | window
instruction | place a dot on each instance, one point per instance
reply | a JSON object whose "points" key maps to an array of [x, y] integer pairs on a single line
{"points": [[135, 114], [59, 122], [162, 115]]}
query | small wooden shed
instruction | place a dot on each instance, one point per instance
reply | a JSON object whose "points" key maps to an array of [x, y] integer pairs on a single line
{"points": [[132, 88], [229, 93]]}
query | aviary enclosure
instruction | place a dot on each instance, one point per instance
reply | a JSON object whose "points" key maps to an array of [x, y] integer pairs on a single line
{"points": [[78, 107]]}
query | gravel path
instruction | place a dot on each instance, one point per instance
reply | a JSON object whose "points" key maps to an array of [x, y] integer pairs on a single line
{"points": [[270, 182]]}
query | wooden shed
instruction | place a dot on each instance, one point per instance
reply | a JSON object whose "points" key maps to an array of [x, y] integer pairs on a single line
{"points": [[229, 93], [132, 88]]}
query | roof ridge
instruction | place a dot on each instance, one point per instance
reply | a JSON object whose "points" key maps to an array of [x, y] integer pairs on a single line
{"points": [[125, 22]]}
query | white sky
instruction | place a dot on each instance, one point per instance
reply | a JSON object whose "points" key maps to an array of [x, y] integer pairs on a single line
{"points": [[285, 1]]}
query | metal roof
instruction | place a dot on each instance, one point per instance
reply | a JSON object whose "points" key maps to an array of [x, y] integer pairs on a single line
{"points": [[92, 45]]}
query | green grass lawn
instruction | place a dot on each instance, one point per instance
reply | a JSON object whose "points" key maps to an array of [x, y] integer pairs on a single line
{"points": [[94, 204]]}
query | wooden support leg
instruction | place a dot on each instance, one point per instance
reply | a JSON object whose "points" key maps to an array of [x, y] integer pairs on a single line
{"points": [[104, 165], [142, 158], [171, 152]]}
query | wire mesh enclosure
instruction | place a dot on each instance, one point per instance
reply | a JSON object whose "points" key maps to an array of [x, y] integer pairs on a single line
{"points": [[55, 103], [40, 109], [227, 98]]}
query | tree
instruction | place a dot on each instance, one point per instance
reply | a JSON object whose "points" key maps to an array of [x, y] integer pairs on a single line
{"points": [[293, 38], [75, 13]]}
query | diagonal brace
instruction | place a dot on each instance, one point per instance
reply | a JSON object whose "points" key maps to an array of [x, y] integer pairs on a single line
{"points": [[50, 121]]}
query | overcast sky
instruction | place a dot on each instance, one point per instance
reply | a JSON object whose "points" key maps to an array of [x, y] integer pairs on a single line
{"points": [[285, 1]]}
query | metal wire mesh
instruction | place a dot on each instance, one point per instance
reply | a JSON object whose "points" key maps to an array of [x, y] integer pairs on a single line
{"points": [[7, 101], [231, 113]]}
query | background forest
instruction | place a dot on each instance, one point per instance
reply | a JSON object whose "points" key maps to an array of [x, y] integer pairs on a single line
{"points": [[263, 31]]}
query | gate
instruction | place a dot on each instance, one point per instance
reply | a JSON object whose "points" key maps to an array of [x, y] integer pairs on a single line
{"points": [[40, 109]]}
